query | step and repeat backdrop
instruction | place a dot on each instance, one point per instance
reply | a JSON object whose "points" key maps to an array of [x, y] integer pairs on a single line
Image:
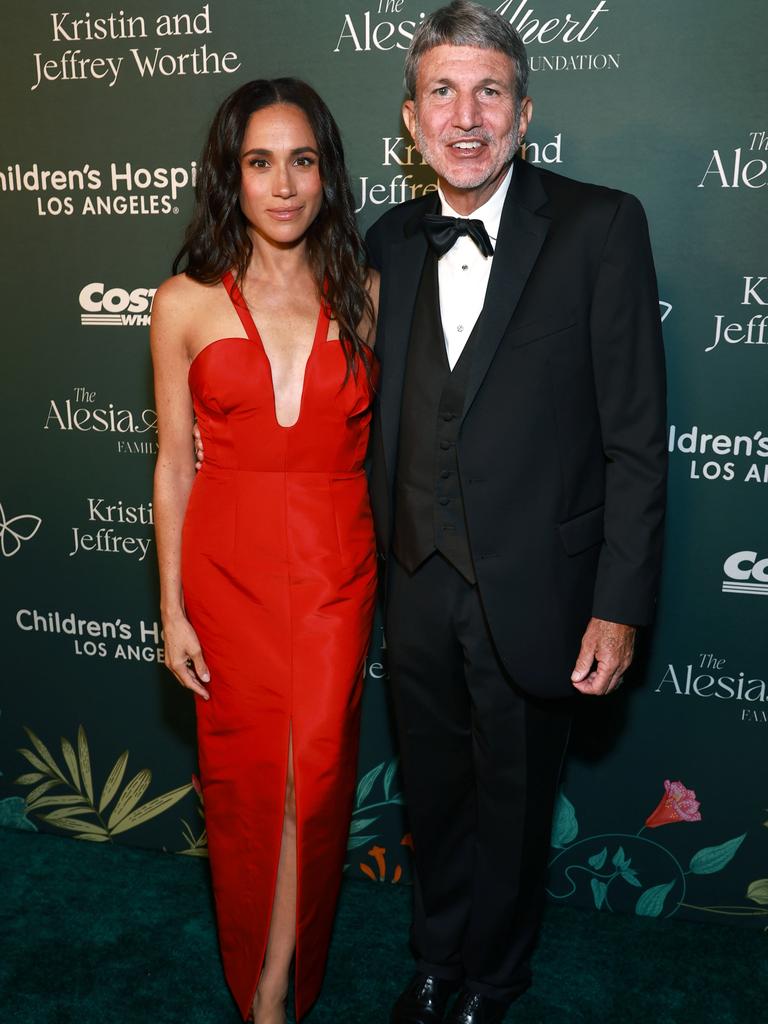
{"points": [[105, 108]]}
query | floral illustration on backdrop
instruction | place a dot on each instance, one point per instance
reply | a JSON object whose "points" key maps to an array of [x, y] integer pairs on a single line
{"points": [[74, 807], [677, 804], [631, 871], [13, 813], [197, 845], [378, 855], [370, 802], [375, 793], [758, 890]]}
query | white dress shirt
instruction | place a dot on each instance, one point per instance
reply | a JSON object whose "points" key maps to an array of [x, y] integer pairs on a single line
{"points": [[463, 273]]}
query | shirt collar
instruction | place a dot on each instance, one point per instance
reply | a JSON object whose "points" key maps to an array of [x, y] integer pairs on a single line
{"points": [[490, 212]]}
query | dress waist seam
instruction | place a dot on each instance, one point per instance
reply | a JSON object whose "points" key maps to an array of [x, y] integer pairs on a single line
{"points": [[314, 474]]}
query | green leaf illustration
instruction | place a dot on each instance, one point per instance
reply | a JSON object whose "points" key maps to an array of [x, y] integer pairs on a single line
{"points": [[355, 841], [599, 891], [38, 791], [130, 796], [44, 753], [35, 761], [85, 762], [76, 825], [389, 776], [114, 779], [651, 903], [67, 799], [197, 846], [13, 814], [68, 812], [714, 858], [29, 779], [360, 823], [758, 891], [629, 875], [71, 759], [151, 809], [599, 859], [565, 828], [620, 859], [365, 785]]}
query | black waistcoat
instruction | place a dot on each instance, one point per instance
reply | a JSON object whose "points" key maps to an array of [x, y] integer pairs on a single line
{"points": [[429, 510]]}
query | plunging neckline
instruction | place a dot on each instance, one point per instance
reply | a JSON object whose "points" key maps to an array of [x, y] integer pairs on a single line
{"points": [[321, 334]]}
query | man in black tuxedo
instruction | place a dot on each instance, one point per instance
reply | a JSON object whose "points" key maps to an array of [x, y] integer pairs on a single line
{"points": [[518, 486]]}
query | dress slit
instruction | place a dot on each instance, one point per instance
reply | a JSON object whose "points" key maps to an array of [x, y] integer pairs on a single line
{"points": [[296, 973], [290, 760]]}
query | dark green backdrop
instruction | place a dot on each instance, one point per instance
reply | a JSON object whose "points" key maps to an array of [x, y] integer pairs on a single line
{"points": [[103, 121]]}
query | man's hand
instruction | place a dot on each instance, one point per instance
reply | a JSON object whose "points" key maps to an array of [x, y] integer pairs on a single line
{"points": [[611, 645], [199, 453]]}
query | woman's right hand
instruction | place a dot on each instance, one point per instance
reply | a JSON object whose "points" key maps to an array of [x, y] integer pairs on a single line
{"points": [[184, 656]]}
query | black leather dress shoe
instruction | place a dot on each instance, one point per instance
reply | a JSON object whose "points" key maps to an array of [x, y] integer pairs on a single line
{"points": [[423, 1001], [471, 1008]]}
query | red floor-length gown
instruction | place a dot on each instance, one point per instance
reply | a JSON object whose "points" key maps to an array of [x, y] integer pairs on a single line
{"points": [[279, 579]]}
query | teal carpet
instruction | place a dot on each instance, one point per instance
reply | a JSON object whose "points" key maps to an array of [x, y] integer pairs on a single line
{"points": [[97, 934]]}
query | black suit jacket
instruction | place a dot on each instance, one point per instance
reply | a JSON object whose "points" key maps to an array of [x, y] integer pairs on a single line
{"points": [[562, 447]]}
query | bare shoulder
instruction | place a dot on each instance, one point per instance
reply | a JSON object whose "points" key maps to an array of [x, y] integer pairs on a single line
{"points": [[177, 309], [180, 296]]}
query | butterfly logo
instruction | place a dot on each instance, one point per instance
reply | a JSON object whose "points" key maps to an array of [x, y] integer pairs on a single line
{"points": [[14, 531]]}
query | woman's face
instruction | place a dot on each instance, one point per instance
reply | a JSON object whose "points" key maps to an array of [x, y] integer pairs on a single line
{"points": [[281, 192]]}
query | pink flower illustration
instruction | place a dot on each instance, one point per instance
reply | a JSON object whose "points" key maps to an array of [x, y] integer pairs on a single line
{"points": [[197, 787], [677, 804]]}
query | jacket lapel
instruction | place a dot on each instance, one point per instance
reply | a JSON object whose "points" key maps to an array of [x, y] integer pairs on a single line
{"points": [[521, 235], [407, 263]]}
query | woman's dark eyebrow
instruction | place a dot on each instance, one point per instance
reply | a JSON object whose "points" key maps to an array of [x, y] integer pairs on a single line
{"points": [[268, 152]]}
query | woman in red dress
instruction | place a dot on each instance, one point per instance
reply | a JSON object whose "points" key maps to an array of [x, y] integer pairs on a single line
{"points": [[267, 559]]}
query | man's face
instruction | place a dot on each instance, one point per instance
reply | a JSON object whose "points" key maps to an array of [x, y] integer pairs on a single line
{"points": [[464, 118]]}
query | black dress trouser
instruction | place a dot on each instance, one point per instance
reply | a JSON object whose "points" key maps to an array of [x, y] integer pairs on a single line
{"points": [[481, 762]]}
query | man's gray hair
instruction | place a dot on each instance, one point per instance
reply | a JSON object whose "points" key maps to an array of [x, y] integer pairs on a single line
{"points": [[464, 23]]}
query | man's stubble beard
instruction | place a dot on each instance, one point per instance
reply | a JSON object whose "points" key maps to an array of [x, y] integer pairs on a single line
{"points": [[512, 140]]}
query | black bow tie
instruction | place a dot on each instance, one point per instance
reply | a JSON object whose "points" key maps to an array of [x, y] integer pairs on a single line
{"points": [[442, 233]]}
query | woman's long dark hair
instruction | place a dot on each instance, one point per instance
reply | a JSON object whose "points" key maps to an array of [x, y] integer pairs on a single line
{"points": [[217, 238]]}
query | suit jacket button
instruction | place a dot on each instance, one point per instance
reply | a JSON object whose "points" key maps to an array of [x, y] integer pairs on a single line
{"points": [[444, 501]]}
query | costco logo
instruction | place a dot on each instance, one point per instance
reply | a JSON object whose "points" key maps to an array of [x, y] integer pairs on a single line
{"points": [[115, 307], [745, 573]]}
